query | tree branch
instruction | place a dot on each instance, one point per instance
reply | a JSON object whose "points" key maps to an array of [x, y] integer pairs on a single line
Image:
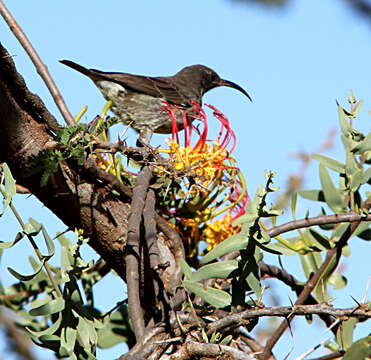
{"points": [[302, 310], [332, 257], [193, 348], [334, 355], [295, 285], [132, 258], [318, 220], [40, 67]]}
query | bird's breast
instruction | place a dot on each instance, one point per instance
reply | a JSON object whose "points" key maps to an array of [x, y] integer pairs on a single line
{"points": [[140, 110]]}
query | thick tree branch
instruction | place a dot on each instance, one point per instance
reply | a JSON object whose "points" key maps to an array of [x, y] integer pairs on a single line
{"points": [[193, 349], [133, 253], [76, 196]]}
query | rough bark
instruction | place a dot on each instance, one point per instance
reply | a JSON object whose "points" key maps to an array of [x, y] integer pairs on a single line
{"points": [[73, 195]]}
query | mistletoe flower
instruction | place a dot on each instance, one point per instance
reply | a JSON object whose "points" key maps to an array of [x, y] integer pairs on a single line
{"points": [[218, 186]]}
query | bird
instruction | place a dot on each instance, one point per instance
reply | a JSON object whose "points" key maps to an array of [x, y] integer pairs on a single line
{"points": [[138, 101]]}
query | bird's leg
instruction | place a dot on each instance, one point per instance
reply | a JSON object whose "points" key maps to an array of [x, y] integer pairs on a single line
{"points": [[144, 138]]}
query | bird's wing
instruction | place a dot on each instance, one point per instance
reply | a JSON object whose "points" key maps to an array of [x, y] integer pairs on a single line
{"points": [[160, 87]]}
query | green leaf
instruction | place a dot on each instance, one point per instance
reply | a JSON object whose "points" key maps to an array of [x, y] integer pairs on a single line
{"points": [[116, 329], [335, 200], [9, 244], [50, 307], [315, 195], [352, 165], [220, 269], [330, 163], [204, 336], [309, 264], [364, 230], [186, 269], [366, 176], [50, 342], [49, 244], [338, 281], [344, 124], [293, 204], [322, 239], [235, 242], [268, 248], [281, 248], [68, 340], [32, 228], [360, 350], [215, 337], [36, 225], [10, 187], [356, 180], [215, 297], [339, 231], [345, 251], [363, 146], [49, 331], [253, 281], [87, 331], [226, 340], [344, 334], [357, 108], [26, 277], [353, 169]]}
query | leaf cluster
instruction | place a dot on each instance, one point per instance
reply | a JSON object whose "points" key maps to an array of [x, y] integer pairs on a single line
{"points": [[72, 142]]}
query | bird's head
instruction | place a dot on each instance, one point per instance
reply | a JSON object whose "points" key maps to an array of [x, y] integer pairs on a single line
{"points": [[209, 79]]}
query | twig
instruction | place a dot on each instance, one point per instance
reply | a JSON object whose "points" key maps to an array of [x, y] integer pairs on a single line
{"points": [[40, 67], [35, 247], [295, 285], [253, 344], [314, 348], [132, 258], [151, 238], [334, 355], [332, 257], [192, 349], [318, 220], [90, 167], [300, 310]]}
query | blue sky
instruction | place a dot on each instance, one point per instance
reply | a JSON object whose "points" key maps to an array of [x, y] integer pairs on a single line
{"points": [[294, 62]]}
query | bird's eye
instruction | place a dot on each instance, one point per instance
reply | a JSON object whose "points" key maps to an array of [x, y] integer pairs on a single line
{"points": [[214, 77]]}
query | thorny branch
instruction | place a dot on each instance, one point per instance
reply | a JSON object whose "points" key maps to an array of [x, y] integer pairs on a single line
{"points": [[295, 285], [302, 310], [332, 255]]}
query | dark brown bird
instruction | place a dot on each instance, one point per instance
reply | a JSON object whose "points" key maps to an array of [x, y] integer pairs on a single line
{"points": [[138, 100]]}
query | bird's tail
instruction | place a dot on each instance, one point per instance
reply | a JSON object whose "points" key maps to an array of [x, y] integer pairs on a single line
{"points": [[77, 67]]}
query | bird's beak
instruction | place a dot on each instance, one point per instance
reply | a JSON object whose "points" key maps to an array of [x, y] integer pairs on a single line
{"points": [[234, 86]]}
